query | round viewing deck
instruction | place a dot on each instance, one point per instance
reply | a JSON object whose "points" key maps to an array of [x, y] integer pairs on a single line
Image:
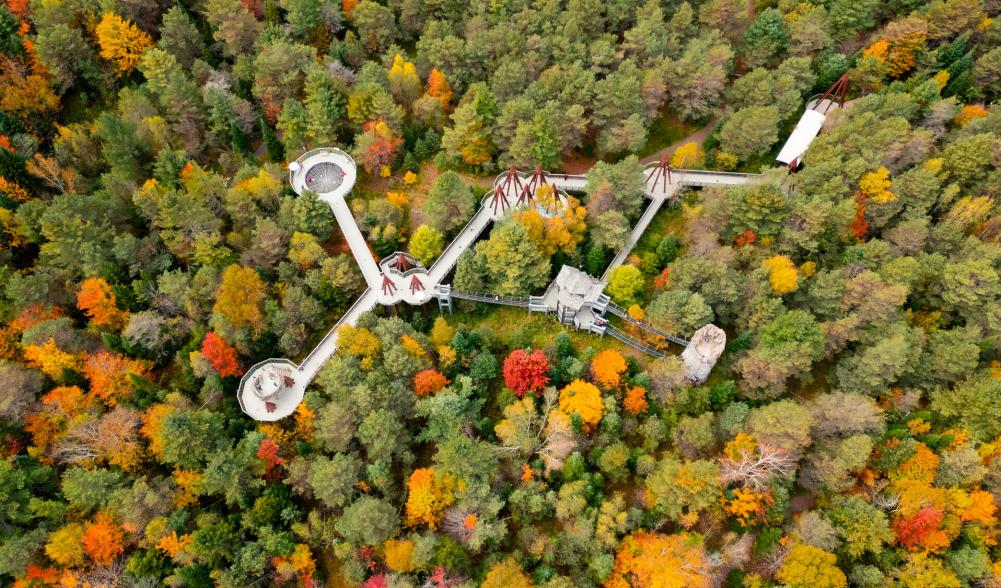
{"points": [[328, 171]]}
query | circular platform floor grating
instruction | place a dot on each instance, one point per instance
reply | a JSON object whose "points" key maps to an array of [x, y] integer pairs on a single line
{"points": [[324, 177]]}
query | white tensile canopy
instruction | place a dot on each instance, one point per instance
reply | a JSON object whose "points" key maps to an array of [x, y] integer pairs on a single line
{"points": [[805, 132]]}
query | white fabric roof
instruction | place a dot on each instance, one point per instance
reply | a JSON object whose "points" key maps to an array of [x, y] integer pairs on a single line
{"points": [[805, 132]]}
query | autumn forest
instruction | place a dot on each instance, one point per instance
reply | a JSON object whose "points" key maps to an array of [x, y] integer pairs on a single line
{"points": [[152, 250]]}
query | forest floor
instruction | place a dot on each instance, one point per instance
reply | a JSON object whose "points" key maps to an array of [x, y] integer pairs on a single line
{"points": [[581, 163], [698, 137]]}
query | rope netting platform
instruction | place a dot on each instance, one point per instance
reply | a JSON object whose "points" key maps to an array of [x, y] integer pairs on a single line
{"points": [[324, 177]]}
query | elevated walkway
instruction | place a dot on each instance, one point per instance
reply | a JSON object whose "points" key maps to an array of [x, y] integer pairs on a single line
{"points": [[622, 314]]}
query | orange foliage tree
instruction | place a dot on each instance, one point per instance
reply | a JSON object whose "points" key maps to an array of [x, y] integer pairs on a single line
{"points": [[399, 555], [968, 113], [648, 560], [121, 42], [439, 88], [220, 355], [299, 564], [913, 531], [26, 92], [103, 540], [268, 451], [428, 382], [608, 368], [96, 299], [377, 146], [109, 375], [13, 190], [635, 401]]}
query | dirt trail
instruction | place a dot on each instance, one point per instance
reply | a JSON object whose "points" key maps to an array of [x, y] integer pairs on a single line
{"points": [[698, 136]]}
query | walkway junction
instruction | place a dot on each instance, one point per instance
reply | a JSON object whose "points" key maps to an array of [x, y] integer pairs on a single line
{"points": [[273, 388]]}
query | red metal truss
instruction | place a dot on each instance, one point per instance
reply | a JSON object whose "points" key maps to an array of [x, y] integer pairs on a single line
{"points": [[415, 284], [662, 171], [836, 93], [402, 263], [388, 288], [511, 180], [528, 192]]}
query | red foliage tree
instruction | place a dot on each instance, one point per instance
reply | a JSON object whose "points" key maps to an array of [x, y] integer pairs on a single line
{"points": [[526, 372], [268, 451], [220, 355], [860, 226], [748, 237], [914, 529], [429, 382]]}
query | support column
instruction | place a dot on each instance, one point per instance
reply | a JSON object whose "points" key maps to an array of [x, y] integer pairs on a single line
{"points": [[444, 294]]}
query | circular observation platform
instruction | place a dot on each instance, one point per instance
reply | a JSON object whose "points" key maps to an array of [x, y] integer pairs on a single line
{"points": [[328, 171], [271, 390]]}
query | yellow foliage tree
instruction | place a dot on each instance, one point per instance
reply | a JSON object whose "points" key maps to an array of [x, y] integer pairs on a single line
{"points": [[442, 332], [240, 297], [654, 560], [427, 497], [305, 250], [807, 566], [399, 555], [404, 82], [50, 359], [875, 186], [121, 42], [782, 274], [189, 487], [584, 399], [924, 571], [506, 574], [688, 155], [65, 545], [359, 342], [561, 228]]}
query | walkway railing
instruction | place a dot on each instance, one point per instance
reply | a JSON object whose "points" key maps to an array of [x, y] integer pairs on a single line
{"points": [[622, 314], [329, 340], [610, 330], [519, 301]]}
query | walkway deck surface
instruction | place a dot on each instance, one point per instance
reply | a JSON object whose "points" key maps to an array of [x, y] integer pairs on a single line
{"points": [[659, 193]]}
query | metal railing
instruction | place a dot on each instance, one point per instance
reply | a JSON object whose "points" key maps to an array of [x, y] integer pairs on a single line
{"points": [[444, 255], [622, 314], [333, 330], [633, 342], [319, 151], [520, 301]]}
